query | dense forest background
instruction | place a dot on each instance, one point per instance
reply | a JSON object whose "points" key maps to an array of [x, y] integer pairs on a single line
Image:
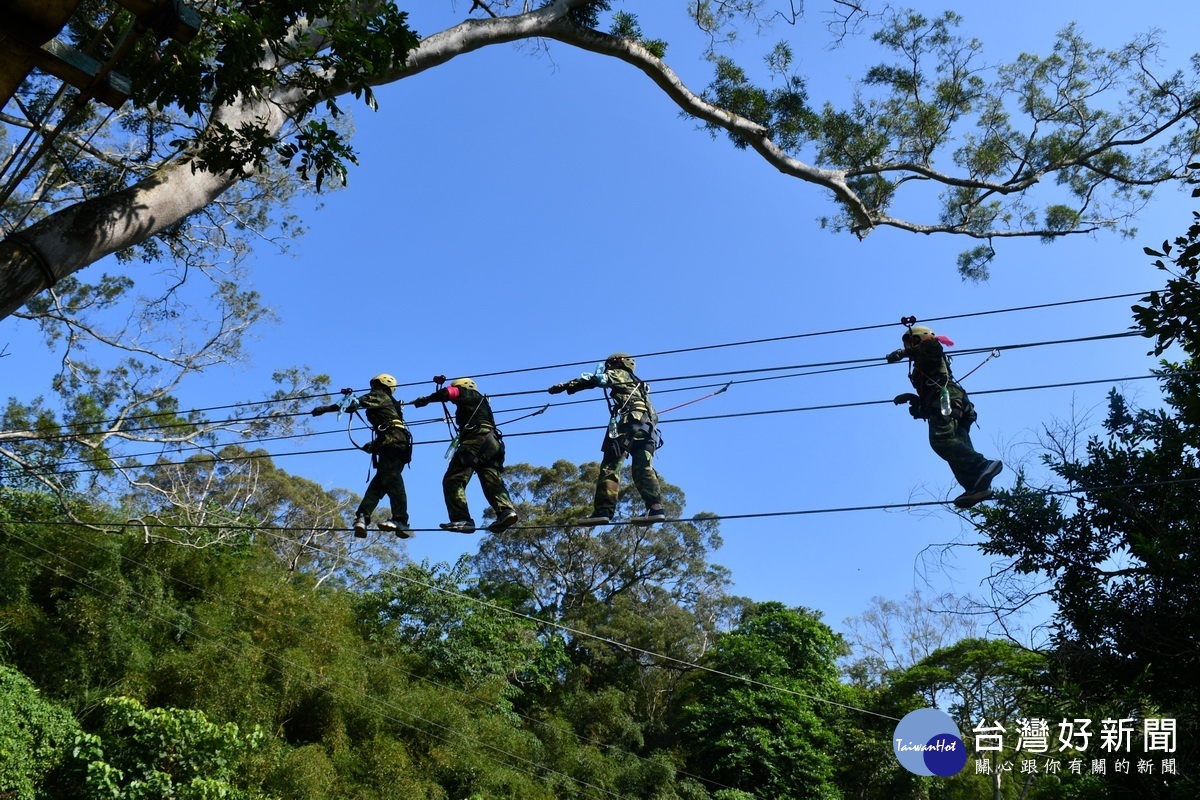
{"points": [[151, 655]]}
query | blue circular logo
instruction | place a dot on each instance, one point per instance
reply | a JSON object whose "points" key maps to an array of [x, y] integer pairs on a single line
{"points": [[927, 742]]}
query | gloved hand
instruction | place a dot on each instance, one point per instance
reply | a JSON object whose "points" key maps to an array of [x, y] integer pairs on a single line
{"points": [[894, 356], [907, 397], [557, 388], [319, 410], [420, 402]]}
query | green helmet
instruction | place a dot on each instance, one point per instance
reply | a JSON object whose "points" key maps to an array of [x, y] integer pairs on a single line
{"points": [[383, 379], [917, 333], [620, 361], [465, 383]]}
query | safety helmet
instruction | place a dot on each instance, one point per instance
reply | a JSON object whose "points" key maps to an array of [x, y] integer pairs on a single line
{"points": [[383, 379], [620, 361], [917, 333], [464, 383]]}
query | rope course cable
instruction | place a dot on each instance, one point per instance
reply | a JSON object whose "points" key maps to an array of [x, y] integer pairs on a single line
{"points": [[836, 366], [811, 334], [411, 423], [705, 517], [658, 392], [250, 456], [371, 704], [746, 342]]}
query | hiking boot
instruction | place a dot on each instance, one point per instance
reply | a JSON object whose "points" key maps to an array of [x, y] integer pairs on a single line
{"points": [[968, 499], [403, 529], [984, 482], [460, 526], [506, 520], [361, 521], [388, 525], [595, 519], [652, 515]]}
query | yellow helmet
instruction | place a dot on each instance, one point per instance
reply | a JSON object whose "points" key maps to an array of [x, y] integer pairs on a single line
{"points": [[383, 379], [465, 383], [620, 361], [917, 333]]}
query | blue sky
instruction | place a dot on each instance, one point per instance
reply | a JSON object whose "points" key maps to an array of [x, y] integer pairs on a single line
{"points": [[514, 209]]}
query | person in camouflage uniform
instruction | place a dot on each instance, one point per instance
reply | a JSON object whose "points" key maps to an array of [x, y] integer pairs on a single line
{"points": [[390, 448], [633, 431], [949, 419], [480, 451]]}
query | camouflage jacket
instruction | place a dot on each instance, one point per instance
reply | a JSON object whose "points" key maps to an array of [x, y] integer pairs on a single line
{"points": [[929, 371], [472, 411], [385, 414], [630, 396]]}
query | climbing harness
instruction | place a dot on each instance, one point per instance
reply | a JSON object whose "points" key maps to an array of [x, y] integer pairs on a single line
{"points": [[942, 386], [454, 432], [650, 427]]}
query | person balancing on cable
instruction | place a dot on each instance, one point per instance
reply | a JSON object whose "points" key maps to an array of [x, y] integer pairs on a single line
{"points": [[632, 430], [390, 448], [946, 407], [478, 449]]}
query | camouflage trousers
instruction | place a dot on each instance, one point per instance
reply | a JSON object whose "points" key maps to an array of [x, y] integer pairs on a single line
{"points": [[478, 455], [951, 439], [389, 463], [640, 446]]}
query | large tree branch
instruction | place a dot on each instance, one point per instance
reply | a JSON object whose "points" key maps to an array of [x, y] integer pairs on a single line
{"points": [[82, 233], [755, 135]]}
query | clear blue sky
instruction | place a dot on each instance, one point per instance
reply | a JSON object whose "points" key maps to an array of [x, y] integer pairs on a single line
{"points": [[514, 209]]}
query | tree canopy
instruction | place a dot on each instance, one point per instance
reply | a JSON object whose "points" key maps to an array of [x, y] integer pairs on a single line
{"points": [[222, 130], [1112, 540]]}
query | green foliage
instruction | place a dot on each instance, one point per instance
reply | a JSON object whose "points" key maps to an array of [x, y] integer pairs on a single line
{"points": [[580, 571], [1120, 559], [1173, 315], [586, 14], [104, 405], [973, 263], [650, 587], [783, 110], [35, 736], [144, 754], [213, 498], [420, 683], [439, 616], [625, 25], [1061, 218], [226, 61], [979, 679], [743, 734]]}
